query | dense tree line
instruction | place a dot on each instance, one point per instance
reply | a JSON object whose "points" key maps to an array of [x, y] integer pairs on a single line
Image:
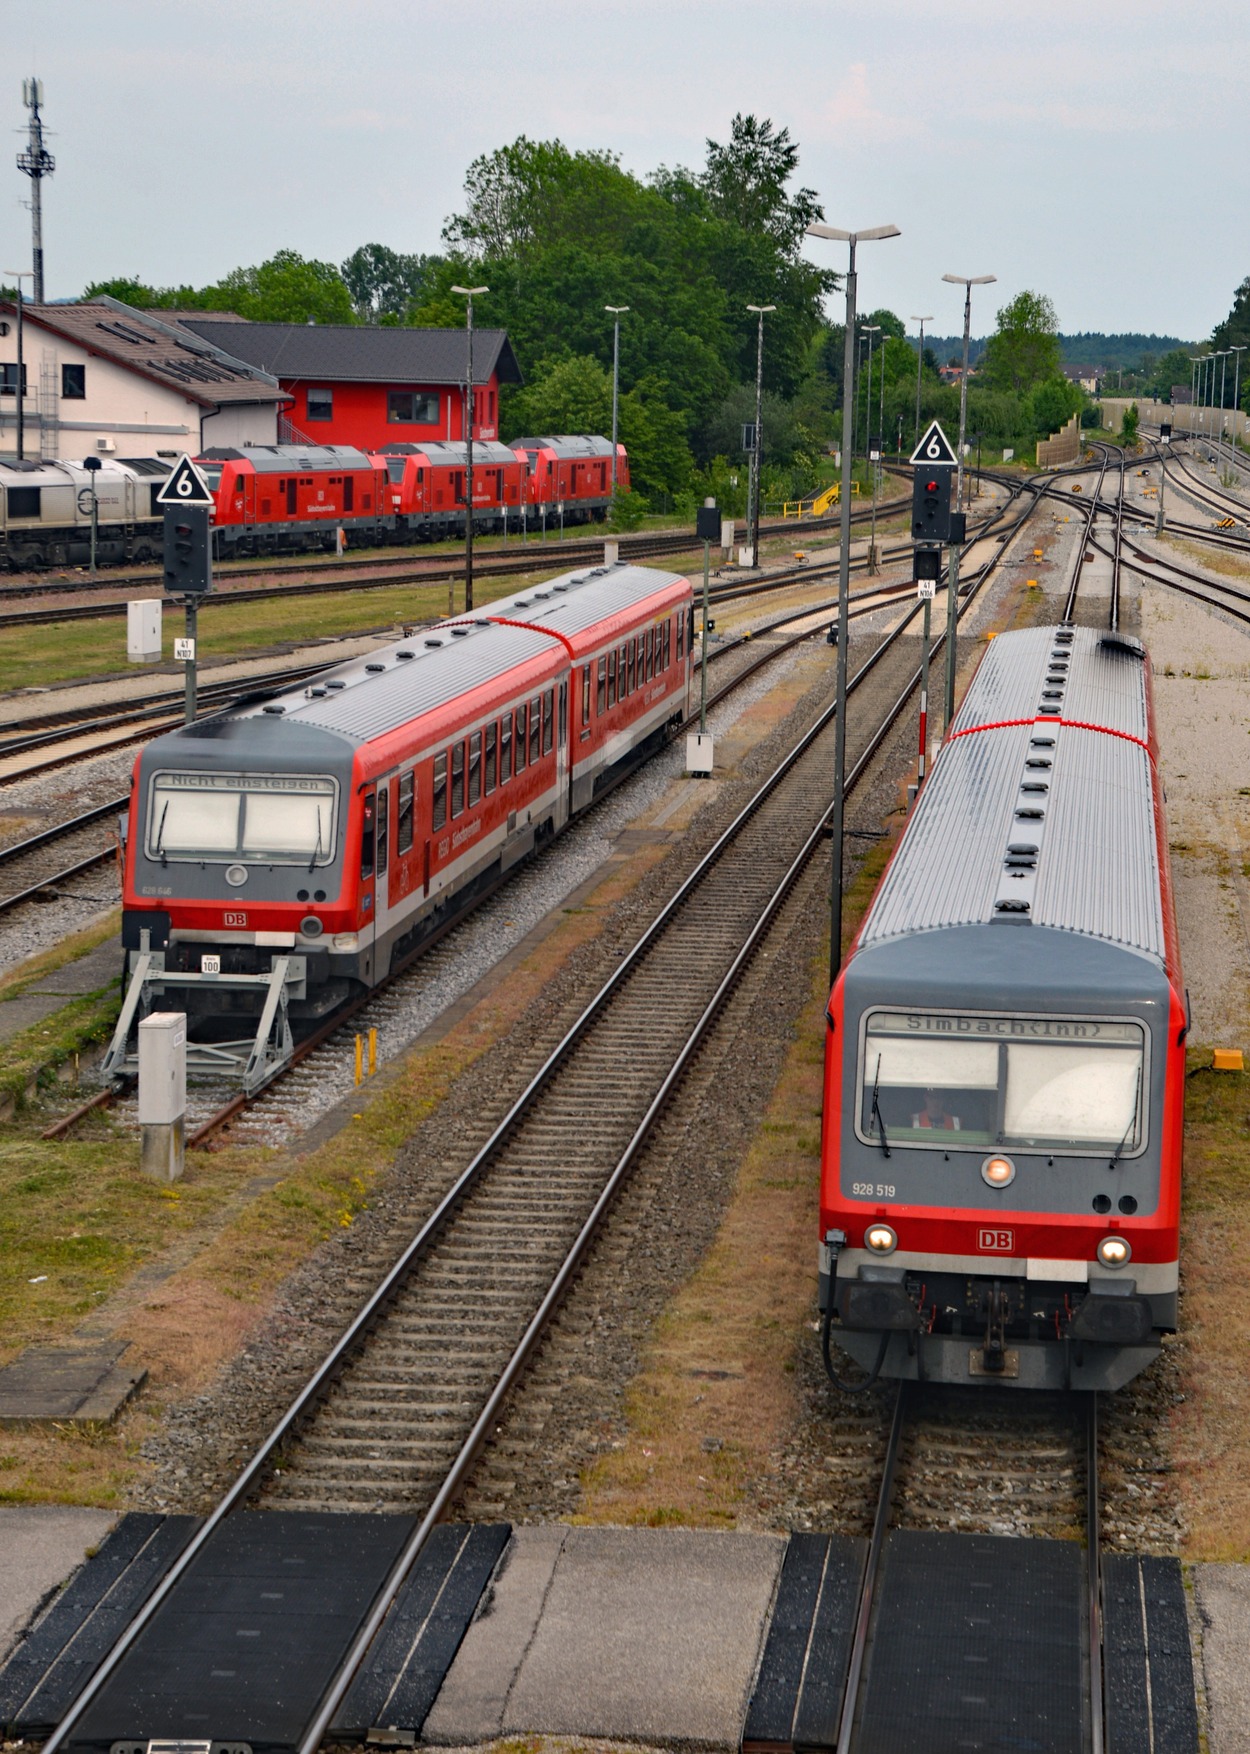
{"points": [[558, 235]]}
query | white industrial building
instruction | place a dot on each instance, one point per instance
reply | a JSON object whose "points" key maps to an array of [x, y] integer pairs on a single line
{"points": [[102, 379]]}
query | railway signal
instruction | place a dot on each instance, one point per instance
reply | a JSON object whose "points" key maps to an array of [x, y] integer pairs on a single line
{"points": [[931, 505], [188, 570]]}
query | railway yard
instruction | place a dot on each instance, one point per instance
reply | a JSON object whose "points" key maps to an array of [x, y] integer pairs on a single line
{"points": [[499, 1297]]}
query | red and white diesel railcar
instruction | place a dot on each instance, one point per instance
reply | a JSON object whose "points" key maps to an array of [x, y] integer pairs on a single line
{"points": [[335, 825], [1005, 1063]]}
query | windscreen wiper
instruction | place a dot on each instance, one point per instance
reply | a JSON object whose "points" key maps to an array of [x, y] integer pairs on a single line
{"points": [[160, 835], [317, 849], [1132, 1122], [876, 1110]]}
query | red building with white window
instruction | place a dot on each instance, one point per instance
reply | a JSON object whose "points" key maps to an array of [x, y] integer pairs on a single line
{"points": [[371, 387]]}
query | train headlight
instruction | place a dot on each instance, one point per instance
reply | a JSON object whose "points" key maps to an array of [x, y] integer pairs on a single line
{"points": [[1114, 1251], [880, 1239], [998, 1171]]}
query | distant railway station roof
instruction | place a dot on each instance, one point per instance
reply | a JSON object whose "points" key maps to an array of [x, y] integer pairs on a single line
{"points": [[357, 353]]}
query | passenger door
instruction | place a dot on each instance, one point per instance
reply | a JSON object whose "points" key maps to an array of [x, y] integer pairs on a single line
{"points": [[366, 912]]}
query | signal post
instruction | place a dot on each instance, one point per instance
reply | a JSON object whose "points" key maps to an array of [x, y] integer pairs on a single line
{"points": [[933, 525], [188, 570]]}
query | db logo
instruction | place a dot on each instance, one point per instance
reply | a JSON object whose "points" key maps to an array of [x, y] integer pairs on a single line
{"points": [[241, 920], [999, 1242]]}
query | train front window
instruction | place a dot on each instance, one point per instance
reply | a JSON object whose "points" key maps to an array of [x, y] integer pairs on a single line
{"points": [[214, 818], [1060, 1085]]}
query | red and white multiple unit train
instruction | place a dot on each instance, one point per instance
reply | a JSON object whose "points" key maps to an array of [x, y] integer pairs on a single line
{"points": [[292, 852], [1005, 1063]]}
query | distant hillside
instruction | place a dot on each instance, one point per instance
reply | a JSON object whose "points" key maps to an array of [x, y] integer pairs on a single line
{"points": [[1089, 348]]}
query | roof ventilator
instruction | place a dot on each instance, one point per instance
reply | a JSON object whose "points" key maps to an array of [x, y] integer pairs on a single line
{"points": [[405, 654], [433, 642], [336, 683], [375, 669], [275, 710], [460, 633]]}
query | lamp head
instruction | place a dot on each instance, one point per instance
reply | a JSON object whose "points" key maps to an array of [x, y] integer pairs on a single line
{"points": [[853, 237], [970, 279], [470, 291]]}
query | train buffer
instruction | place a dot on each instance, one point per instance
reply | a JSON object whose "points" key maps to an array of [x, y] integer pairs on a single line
{"points": [[254, 1059]]}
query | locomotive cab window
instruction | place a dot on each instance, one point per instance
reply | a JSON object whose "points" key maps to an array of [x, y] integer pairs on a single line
{"points": [[213, 818], [1072, 1086]]}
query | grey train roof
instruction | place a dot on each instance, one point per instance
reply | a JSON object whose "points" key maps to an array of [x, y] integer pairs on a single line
{"points": [[1078, 856], [453, 451], [290, 459], [566, 444], [383, 690]]}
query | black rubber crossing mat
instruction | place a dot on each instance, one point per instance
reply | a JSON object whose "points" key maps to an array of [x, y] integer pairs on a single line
{"points": [[977, 1645], [802, 1677], [1147, 1660], [399, 1681], [242, 1649], [46, 1671]]}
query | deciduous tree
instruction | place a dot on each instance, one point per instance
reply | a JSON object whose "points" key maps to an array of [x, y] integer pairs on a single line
{"points": [[1024, 348]]}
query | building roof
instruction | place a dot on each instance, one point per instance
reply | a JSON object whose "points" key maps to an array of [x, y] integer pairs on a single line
{"points": [[358, 353], [997, 836], [156, 350]]}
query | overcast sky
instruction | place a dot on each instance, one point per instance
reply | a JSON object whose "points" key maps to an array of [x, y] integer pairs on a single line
{"points": [[1096, 153]]}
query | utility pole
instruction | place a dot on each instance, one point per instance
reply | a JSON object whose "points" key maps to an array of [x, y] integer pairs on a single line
{"points": [[1237, 353], [469, 292], [919, 368], [617, 312], [844, 579], [952, 584], [758, 454], [37, 163]]}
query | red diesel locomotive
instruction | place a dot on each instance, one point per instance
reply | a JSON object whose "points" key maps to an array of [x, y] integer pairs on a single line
{"points": [[1005, 1062], [287, 854]]}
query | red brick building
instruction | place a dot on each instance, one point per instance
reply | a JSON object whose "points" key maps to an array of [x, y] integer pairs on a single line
{"points": [[371, 386]]}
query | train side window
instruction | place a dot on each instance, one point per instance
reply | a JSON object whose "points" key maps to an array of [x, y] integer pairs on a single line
{"points": [[349, 493], [681, 637], [488, 769], [549, 702], [475, 767], [505, 749], [519, 741], [439, 815], [601, 688], [585, 690], [668, 644], [367, 827], [611, 679], [403, 822], [383, 834], [536, 728], [292, 496], [457, 779], [641, 649], [564, 713]]}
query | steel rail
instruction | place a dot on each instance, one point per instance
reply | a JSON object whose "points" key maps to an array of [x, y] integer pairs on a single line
{"points": [[1090, 510], [1093, 1580], [872, 1568]]}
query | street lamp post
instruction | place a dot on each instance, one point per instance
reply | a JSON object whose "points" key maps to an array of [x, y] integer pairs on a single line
{"points": [[952, 585], [844, 575], [919, 368], [1236, 353], [870, 329], [618, 312], [1193, 389], [19, 396], [470, 293], [758, 457]]}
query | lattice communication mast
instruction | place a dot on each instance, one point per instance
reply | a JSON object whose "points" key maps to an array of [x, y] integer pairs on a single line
{"points": [[38, 163]]}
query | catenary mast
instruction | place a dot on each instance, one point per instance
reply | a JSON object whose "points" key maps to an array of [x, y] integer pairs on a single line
{"points": [[38, 163]]}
